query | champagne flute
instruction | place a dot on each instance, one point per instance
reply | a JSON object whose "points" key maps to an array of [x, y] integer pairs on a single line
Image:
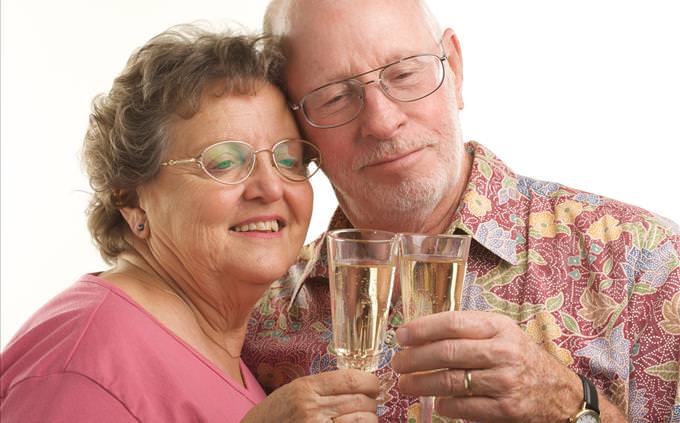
{"points": [[362, 266], [431, 272]]}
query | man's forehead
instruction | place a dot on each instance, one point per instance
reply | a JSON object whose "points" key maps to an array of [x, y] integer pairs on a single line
{"points": [[330, 42]]}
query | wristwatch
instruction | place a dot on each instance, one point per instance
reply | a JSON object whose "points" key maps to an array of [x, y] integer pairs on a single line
{"points": [[590, 412]]}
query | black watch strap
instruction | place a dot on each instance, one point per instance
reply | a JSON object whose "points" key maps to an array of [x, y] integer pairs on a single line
{"points": [[590, 394]]}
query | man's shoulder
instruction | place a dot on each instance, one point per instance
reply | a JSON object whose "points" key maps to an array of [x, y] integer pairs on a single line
{"points": [[574, 206]]}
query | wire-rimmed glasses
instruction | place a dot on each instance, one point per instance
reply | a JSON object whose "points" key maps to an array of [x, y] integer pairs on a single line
{"points": [[232, 162], [339, 102]]}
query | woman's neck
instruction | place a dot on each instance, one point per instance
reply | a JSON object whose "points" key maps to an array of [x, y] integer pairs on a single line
{"points": [[211, 319]]}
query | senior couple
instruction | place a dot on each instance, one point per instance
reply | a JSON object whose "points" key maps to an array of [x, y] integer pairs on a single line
{"points": [[200, 167]]}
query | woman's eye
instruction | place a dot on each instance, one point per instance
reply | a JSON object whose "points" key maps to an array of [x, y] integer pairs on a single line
{"points": [[224, 164], [288, 162]]}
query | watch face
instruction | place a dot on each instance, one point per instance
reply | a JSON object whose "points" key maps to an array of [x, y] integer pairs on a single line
{"points": [[588, 416]]}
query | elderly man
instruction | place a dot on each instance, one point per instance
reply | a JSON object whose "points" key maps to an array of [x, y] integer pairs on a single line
{"points": [[571, 301]]}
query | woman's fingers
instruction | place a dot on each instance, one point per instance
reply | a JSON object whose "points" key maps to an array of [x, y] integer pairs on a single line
{"points": [[363, 417], [343, 404], [348, 381]]}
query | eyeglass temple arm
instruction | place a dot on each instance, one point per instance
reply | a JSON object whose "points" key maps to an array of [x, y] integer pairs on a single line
{"points": [[180, 161]]}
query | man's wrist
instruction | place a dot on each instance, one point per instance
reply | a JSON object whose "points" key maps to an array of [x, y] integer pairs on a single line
{"points": [[589, 412]]}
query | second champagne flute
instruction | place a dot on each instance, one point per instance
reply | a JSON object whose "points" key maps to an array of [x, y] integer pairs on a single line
{"points": [[362, 266], [431, 272]]}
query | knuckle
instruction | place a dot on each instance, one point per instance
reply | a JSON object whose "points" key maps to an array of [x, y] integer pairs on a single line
{"points": [[449, 351], [504, 382], [352, 378], [302, 388], [454, 323], [450, 381], [507, 407], [503, 349]]}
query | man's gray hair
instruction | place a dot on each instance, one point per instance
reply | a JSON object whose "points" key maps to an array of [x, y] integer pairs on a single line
{"points": [[278, 17]]}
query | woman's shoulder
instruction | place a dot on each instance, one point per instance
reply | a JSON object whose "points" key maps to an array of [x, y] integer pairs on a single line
{"points": [[74, 327]]}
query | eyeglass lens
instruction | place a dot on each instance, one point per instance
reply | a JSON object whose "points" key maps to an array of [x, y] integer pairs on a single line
{"points": [[407, 80], [232, 161]]}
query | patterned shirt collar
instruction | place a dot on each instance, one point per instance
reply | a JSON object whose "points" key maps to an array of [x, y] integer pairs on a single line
{"points": [[493, 190]]}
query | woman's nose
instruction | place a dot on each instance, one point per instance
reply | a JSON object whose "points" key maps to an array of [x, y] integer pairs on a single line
{"points": [[264, 182]]}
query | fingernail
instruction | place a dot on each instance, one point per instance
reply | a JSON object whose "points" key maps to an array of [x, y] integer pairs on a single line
{"points": [[402, 336]]}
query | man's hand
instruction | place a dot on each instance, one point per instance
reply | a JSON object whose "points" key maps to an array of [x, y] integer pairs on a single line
{"points": [[339, 397], [512, 378]]}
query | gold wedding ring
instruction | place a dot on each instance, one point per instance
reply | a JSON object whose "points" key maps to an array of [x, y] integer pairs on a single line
{"points": [[467, 382]]}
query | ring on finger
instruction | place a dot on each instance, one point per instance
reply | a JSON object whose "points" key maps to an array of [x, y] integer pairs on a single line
{"points": [[467, 382]]}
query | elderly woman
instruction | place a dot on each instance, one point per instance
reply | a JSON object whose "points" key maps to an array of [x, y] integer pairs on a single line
{"points": [[201, 200]]}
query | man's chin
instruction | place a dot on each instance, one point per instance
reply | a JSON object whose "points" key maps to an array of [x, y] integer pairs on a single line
{"points": [[394, 200]]}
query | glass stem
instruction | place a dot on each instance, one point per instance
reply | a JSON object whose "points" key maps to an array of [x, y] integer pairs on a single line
{"points": [[426, 409]]}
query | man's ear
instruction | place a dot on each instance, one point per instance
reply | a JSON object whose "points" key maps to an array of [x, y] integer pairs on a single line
{"points": [[452, 49], [136, 220]]}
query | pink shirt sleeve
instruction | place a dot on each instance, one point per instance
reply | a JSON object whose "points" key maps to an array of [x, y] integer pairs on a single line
{"points": [[63, 397]]}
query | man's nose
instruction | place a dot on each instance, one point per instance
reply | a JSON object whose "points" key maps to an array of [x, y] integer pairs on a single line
{"points": [[382, 117]]}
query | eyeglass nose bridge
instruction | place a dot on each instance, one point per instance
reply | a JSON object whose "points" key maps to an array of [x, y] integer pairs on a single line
{"points": [[378, 81], [253, 163]]}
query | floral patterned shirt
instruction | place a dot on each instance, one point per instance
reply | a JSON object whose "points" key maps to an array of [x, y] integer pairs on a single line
{"points": [[596, 282]]}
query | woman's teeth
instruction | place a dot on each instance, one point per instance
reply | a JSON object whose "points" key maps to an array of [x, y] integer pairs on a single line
{"points": [[266, 226]]}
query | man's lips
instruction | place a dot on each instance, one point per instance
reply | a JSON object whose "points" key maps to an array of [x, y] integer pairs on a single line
{"points": [[394, 159]]}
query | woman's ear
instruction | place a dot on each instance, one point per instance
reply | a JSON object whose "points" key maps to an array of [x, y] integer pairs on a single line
{"points": [[452, 49], [136, 220]]}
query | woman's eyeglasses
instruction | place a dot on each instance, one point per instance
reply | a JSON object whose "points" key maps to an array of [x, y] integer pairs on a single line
{"points": [[232, 162]]}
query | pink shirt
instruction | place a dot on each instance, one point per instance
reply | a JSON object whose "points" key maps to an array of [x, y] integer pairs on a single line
{"points": [[93, 354]]}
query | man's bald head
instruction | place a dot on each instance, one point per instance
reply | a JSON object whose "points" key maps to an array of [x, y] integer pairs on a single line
{"points": [[279, 16]]}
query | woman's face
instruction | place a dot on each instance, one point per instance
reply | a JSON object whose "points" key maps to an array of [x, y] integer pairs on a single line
{"points": [[196, 224]]}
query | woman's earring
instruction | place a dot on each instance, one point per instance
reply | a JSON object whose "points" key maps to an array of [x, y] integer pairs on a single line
{"points": [[140, 227]]}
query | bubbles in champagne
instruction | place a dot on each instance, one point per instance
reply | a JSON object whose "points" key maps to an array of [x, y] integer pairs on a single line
{"points": [[360, 307], [430, 284]]}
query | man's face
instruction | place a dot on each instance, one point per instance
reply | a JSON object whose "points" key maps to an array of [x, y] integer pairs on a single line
{"points": [[395, 162]]}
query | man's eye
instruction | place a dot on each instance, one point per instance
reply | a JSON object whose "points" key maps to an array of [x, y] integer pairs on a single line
{"points": [[336, 100], [403, 75]]}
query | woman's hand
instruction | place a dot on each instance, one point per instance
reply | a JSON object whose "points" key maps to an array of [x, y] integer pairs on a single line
{"points": [[341, 396]]}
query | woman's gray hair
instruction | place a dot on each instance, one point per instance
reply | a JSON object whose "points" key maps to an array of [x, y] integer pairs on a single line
{"points": [[128, 135]]}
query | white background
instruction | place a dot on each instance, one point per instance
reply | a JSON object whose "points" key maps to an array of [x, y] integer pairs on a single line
{"points": [[582, 92]]}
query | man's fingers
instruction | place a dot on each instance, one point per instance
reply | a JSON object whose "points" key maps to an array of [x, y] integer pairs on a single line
{"points": [[451, 383], [450, 353], [347, 381], [450, 324], [478, 409]]}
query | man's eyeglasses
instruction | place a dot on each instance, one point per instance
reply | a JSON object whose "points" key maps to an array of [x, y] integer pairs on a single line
{"points": [[406, 80], [232, 162]]}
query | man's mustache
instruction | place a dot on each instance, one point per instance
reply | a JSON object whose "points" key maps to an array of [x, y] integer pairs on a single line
{"points": [[394, 147]]}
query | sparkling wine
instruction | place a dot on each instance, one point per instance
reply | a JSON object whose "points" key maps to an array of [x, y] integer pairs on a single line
{"points": [[360, 307], [430, 284]]}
